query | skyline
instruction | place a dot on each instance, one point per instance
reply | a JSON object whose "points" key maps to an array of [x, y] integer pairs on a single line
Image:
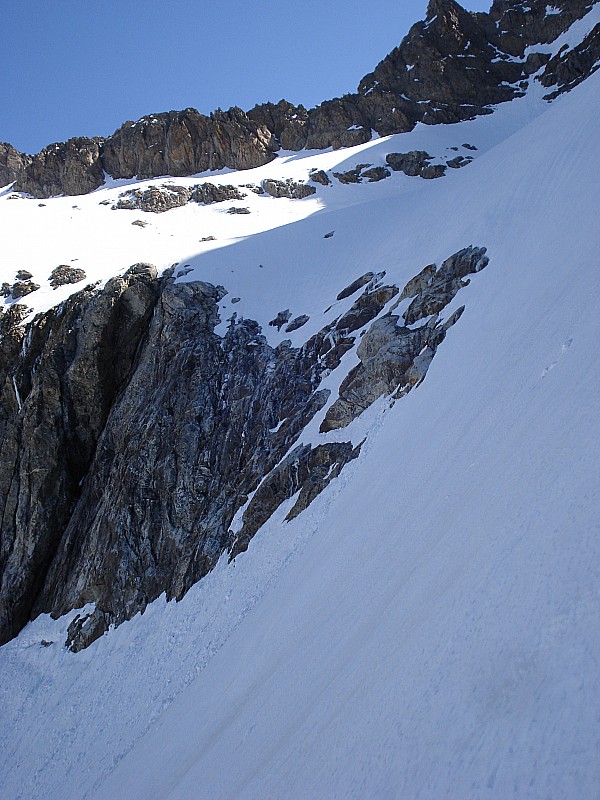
{"points": [[66, 74]]}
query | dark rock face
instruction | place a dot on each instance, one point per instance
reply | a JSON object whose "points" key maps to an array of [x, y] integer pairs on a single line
{"points": [[520, 25], [184, 142], [305, 470], [12, 163], [72, 167], [129, 447], [356, 285], [131, 433], [54, 401], [281, 319], [569, 67]]}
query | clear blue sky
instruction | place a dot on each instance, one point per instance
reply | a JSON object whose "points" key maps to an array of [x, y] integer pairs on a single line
{"points": [[76, 67]]}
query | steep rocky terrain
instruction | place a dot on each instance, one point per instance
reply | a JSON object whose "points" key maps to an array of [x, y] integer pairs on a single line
{"points": [[132, 433], [298, 463], [452, 66]]}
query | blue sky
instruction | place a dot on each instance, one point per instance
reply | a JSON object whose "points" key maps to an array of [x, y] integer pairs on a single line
{"points": [[73, 68]]}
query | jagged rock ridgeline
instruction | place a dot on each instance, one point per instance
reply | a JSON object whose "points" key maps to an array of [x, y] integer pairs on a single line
{"points": [[452, 66], [131, 433]]}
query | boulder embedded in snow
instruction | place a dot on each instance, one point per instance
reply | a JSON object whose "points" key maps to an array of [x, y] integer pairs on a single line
{"points": [[23, 288], [320, 176], [288, 188], [65, 274], [154, 199], [415, 164], [297, 322]]}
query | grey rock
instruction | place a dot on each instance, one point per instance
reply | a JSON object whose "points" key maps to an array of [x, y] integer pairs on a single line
{"points": [[73, 167], [23, 288], [55, 394], [154, 199], [65, 274], [208, 193], [24, 275], [376, 174], [297, 322], [370, 303], [419, 283], [238, 210], [319, 176], [140, 223], [12, 163], [446, 283], [458, 162], [415, 164], [281, 319], [352, 175], [395, 358], [356, 285], [288, 188], [433, 171]]}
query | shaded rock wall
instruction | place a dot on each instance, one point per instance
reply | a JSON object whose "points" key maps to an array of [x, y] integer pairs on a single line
{"points": [[131, 433]]}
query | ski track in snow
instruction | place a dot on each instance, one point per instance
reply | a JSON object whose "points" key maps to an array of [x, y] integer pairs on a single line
{"points": [[429, 626]]}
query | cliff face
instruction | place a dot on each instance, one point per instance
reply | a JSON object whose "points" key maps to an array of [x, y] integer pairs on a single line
{"points": [[132, 433], [452, 66]]}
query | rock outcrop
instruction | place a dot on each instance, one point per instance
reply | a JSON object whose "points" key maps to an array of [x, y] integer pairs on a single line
{"points": [[452, 66], [185, 142], [289, 188], [416, 163], [72, 167], [395, 357], [131, 433], [65, 274], [12, 163]]}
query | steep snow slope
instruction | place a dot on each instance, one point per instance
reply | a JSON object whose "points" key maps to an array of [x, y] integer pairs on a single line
{"points": [[438, 636], [429, 626]]}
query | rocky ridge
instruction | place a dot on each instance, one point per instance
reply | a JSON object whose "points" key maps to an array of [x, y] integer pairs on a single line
{"points": [[132, 434], [452, 66]]}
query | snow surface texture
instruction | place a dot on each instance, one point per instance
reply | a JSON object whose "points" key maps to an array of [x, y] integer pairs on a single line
{"points": [[429, 627]]}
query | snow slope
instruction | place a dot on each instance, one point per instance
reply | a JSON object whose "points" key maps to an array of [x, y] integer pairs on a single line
{"points": [[429, 627]]}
